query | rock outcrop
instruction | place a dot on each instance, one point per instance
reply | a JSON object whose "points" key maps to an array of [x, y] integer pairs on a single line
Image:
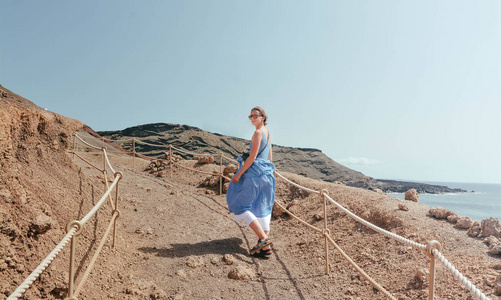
{"points": [[412, 195], [490, 227]]}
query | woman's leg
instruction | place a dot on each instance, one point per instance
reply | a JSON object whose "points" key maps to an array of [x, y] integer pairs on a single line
{"points": [[261, 234]]}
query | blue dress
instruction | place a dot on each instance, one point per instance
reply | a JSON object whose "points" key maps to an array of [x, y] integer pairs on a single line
{"points": [[255, 191]]}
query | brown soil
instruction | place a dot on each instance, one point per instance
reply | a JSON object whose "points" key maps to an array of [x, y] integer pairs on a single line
{"points": [[172, 233]]}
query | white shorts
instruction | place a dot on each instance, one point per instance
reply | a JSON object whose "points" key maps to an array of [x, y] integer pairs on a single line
{"points": [[247, 217]]}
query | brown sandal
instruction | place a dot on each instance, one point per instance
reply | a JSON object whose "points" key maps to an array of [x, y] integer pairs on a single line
{"points": [[260, 245]]}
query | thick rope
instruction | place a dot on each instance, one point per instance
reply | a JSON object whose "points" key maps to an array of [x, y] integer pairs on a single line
{"points": [[92, 146], [202, 172], [42, 266], [378, 229], [96, 255], [88, 162], [109, 195], [297, 185], [89, 215], [470, 286], [188, 152], [299, 219], [230, 159], [153, 145], [359, 270], [120, 141], [108, 161]]}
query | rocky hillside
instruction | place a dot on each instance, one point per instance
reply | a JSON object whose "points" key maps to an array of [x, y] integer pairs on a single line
{"points": [[312, 163], [176, 239]]}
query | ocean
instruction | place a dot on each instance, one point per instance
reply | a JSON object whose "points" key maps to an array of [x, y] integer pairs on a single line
{"points": [[482, 203]]}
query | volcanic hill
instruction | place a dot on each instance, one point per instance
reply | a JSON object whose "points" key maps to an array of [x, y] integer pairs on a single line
{"points": [[312, 163]]}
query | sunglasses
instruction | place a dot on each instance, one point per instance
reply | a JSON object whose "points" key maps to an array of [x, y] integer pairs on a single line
{"points": [[254, 117]]}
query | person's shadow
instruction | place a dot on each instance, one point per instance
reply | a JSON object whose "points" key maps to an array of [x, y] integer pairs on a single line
{"points": [[221, 247]]}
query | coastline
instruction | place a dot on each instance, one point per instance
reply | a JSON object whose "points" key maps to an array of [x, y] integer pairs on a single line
{"points": [[397, 186], [481, 202]]}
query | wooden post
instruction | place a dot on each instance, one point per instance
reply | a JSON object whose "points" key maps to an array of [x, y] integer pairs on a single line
{"points": [[221, 174], [133, 152], [170, 160], [326, 231]]}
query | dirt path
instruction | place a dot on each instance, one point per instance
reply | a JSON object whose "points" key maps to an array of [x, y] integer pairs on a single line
{"points": [[173, 236]]}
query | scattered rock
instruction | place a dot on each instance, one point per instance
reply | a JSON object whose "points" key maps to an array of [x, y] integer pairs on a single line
{"points": [[412, 195], [379, 191], [465, 222], [495, 248], [181, 273], [490, 227], [490, 280], [210, 181], [277, 210], [294, 206], [420, 279], [241, 273], [497, 287], [175, 157], [440, 213], [228, 259], [214, 261], [318, 217], [195, 262], [204, 159], [156, 167], [453, 218], [474, 230], [403, 207], [40, 225], [158, 294], [230, 170]]}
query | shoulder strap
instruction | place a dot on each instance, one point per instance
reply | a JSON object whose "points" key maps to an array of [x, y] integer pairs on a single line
{"points": [[268, 138]]}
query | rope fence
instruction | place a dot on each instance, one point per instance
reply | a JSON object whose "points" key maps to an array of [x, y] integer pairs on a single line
{"points": [[432, 249], [75, 228]]}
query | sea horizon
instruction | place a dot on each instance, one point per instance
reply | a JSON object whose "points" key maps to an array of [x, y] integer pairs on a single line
{"points": [[479, 203]]}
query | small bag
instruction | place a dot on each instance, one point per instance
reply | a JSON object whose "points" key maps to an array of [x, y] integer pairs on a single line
{"points": [[245, 155]]}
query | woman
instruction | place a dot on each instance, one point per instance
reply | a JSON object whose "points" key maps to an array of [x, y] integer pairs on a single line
{"points": [[251, 192]]}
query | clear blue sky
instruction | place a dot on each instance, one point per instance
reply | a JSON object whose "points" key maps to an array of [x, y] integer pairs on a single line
{"points": [[394, 89]]}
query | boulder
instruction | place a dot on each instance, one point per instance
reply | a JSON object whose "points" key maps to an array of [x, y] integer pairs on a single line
{"points": [[465, 222], [228, 259], [440, 213], [210, 181], [277, 211], [205, 159], [474, 230], [241, 273], [195, 262], [453, 218], [403, 207], [175, 157], [491, 240], [490, 227], [412, 195], [495, 249], [41, 224], [229, 170]]}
